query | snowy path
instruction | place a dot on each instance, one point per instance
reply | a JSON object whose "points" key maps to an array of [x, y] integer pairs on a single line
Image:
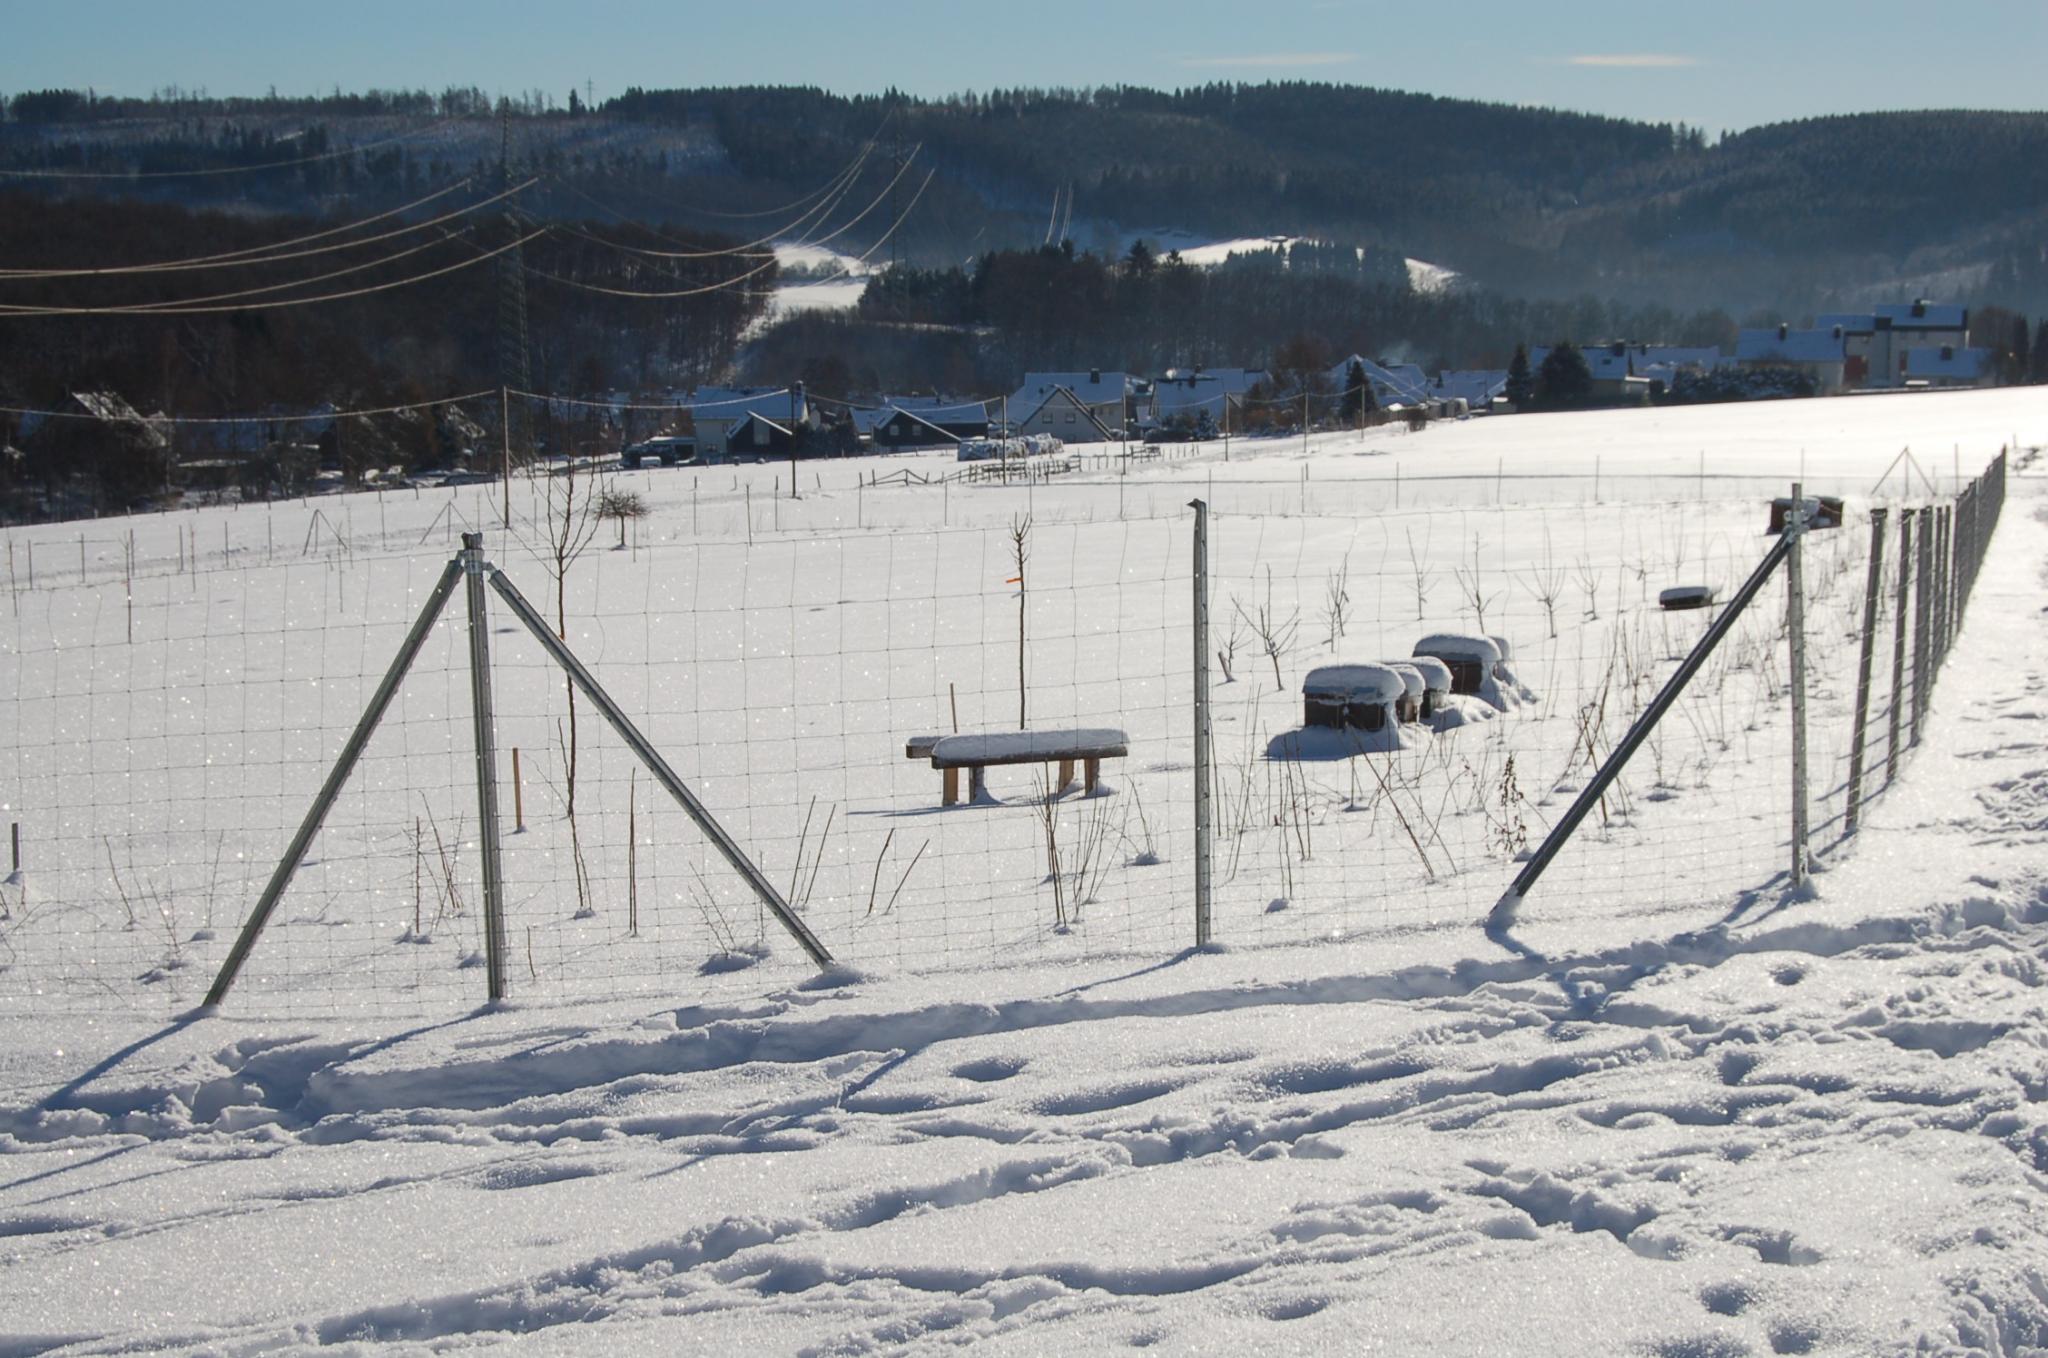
{"points": [[1816, 1126]]}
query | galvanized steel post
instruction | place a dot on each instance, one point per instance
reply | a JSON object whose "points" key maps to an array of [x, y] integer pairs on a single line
{"points": [[1870, 588], [1795, 626], [1891, 756], [1202, 774], [473, 567], [1922, 612]]}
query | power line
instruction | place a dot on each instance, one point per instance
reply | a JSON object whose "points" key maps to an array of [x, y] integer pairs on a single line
{"points": [[868, 146], [842, 184], [240, 255], [143, 308], [183, 310], [224, 169], [251, 257]]}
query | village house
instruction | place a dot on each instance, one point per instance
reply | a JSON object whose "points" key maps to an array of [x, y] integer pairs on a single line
{"points": [[1948, 366], [927, 421], [1185, 396], [717, 411], [1820, 354], [1078, 407], [1393, 386], [1877, 342]]}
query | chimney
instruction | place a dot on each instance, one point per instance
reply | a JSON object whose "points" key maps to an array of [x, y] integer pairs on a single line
{"points": [[1782, 330], [1919, 307], [1095, 377]]}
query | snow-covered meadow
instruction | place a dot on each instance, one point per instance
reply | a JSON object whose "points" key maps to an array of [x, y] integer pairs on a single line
{"points": [[1683, 1111]]}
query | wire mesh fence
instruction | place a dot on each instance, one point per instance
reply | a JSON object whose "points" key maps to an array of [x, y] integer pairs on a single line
{"points": [[177, 701]]}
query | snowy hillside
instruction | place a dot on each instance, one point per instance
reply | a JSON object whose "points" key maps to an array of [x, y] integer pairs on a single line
{"points": [[1681, 1110]]}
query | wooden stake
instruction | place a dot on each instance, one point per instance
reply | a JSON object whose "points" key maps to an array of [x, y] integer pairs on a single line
{"points": [[953, 697], [518, 796]]}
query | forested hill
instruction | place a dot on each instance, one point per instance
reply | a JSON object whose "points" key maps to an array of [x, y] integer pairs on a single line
{"points": [[1527, 201]]}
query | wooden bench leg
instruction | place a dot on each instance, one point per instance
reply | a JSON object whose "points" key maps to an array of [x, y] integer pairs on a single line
{"points": [[1066, 774], [952, 788], [1094, 768]]}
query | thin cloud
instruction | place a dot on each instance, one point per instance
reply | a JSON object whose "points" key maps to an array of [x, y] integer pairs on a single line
{"points": [[1275, 59], [1632, 60]]}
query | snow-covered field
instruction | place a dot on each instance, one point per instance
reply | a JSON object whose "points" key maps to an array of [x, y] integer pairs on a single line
{"points": [[826, 293], [1681, 1111]]}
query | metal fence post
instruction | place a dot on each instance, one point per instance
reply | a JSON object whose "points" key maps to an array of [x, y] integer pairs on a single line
{"points": [[1942, 585], [1870, 606], [1923, 587], [1203, 926], [473, 567], [1891, 757], [1795, 626]]}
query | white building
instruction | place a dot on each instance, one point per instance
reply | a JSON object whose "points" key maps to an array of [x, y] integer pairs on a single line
{"points": [[1878, 340], [1104, 396]]}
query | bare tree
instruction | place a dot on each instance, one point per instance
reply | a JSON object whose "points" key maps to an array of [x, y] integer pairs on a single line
{"points": [[1020, 549], [614, 503], [572, 524], [1472, 584], [1274, 632], [1546, 583], [1337, 598], [1423, 575]]}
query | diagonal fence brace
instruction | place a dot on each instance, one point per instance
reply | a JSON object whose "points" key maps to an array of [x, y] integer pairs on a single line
{"points": [[1502, 916], [344, 764], [658, 767]]}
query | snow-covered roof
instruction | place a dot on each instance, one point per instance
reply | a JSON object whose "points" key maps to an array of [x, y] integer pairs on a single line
{"points": [[1676, 355], [1947, 361], [1025, 411], [1094, 387], [931, 411], [1411, 678], [1435, 673], [1462, 646], [1367, 683], [1923, 315], [925, 405], [1403, 382], [1782, 344], [1476, 386], [105, 405], [730, 403]]}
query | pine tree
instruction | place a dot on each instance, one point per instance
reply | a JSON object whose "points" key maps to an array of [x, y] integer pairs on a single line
{"points": [[2038, 373], [1564, 380], [1357, 391], [1521, 388]]}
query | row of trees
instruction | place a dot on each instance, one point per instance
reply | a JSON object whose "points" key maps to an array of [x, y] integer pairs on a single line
{"points": [[976, 327]]}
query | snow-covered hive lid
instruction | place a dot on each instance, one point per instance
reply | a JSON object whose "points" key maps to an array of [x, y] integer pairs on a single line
{"points": [[1436, 675], [1463, 645], [1501, 644], [1411, 677], [1359, 683]]}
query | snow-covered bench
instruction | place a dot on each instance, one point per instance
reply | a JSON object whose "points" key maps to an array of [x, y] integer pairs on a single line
{"points": [[1088, 746]]}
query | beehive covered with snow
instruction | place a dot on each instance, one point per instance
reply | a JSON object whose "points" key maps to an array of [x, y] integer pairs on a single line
{"points": [[1470, 658], [1362, 696]]}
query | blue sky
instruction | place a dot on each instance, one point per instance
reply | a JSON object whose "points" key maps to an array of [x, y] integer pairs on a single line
{"points": [[1726, 65]]}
